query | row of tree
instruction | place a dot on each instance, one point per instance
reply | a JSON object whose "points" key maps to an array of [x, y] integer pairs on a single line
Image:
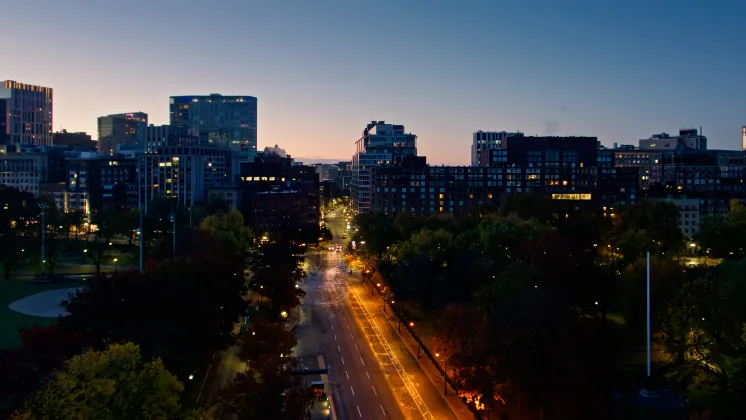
{"points": [[543, 307], [172, 318]]}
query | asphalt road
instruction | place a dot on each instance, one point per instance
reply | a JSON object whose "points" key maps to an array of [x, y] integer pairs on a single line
{"points": [[357, 383], [429, 397]]}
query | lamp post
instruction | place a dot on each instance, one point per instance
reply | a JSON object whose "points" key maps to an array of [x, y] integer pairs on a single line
{"points": [[445, 372], [43, 207], [139, 210], [417, 336], [173, 230]]}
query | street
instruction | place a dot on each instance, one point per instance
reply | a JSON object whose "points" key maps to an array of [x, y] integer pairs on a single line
{"points": [[372, 374], [358, 385]]}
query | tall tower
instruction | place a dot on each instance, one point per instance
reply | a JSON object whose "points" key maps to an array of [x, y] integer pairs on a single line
{"points": [[227, 121], [25, 113]]}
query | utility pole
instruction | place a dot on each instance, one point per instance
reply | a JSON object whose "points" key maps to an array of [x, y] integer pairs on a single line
{"points": [[139, 210], [648, 311], [43, 207], [173, 229]]}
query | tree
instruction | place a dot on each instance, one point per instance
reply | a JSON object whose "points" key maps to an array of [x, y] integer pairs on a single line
{"points": [[181, 310], [18, 214], [659, 221], [97, 248], [725, 237], [112, 384], [269, 393], [377, 231], [55, 235], [42, 350], [276, 269], [230, 230], [265, 340], [74, 220]]}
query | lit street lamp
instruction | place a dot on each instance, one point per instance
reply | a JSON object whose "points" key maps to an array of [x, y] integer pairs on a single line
{"points": [[417, 336], [445, 372]]}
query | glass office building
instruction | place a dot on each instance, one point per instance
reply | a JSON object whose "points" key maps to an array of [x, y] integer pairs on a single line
{"points": [[225, 121]]}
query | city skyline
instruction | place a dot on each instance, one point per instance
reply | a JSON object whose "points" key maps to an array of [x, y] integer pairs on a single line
{"points": [[323, 71]]}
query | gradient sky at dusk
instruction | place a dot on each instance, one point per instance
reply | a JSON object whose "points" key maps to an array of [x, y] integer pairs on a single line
{"points": [[617, 69]]}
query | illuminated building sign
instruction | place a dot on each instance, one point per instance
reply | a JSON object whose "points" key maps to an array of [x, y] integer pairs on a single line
{"points": [[571, 196]]}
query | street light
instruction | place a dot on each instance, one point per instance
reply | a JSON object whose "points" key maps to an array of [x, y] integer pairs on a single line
{"points": [[445, 372], [417, 336]]}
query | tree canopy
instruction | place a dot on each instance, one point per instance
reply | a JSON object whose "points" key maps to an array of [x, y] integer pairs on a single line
{"points": [[112, 384]]}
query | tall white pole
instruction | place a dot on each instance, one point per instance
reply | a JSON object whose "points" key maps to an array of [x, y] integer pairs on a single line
{"points": [[648, 310], [139, 210]]}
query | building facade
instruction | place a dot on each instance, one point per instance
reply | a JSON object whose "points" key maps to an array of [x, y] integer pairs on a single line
{"points": [[107, 182], [121, 130], [184, 173], [223, 121], [27, 170], [81, 141], [687, 139], [488, 140], [280, 198], [381, 145], [26, 114], [167, 135]]}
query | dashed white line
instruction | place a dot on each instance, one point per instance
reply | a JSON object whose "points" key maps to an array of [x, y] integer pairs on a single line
{"points": [[361, 360], [348, 376], [353, 391], [339, 350], [343, 360], [356, 348], [374, 389], [348, 326], [366, 373], [335, 337], [382, 410], [352, 336], [332, 327], [358, 411]]}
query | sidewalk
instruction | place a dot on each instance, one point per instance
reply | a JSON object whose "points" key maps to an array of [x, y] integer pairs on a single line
{"points": [[434, 375]]}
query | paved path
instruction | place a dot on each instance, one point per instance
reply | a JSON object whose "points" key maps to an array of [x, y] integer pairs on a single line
{"points": [[45, 304]]}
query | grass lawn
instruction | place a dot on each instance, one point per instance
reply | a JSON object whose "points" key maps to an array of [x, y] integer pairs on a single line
{"points": [[11, 321]]}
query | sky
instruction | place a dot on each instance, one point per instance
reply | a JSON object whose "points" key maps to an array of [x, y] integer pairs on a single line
{"points": [[620, 70]]}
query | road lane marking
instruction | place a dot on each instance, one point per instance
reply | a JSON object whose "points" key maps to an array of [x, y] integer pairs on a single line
{"points": [[358, 411], [382, 410], [348, 376], [348, 326], [352, 336], [335, 337], [361, 359], [339, 350], [332, 327], [353, 391], [356, 348], [343, 360], [374, 389], [366, 373]]}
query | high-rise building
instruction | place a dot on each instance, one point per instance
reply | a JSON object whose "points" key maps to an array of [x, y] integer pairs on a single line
{"points": [[184, 173], [25, 113], [4, 134], [225, 121], [488, 140], [381, 145], [167, 135], [118, 130], [743, 137]]}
